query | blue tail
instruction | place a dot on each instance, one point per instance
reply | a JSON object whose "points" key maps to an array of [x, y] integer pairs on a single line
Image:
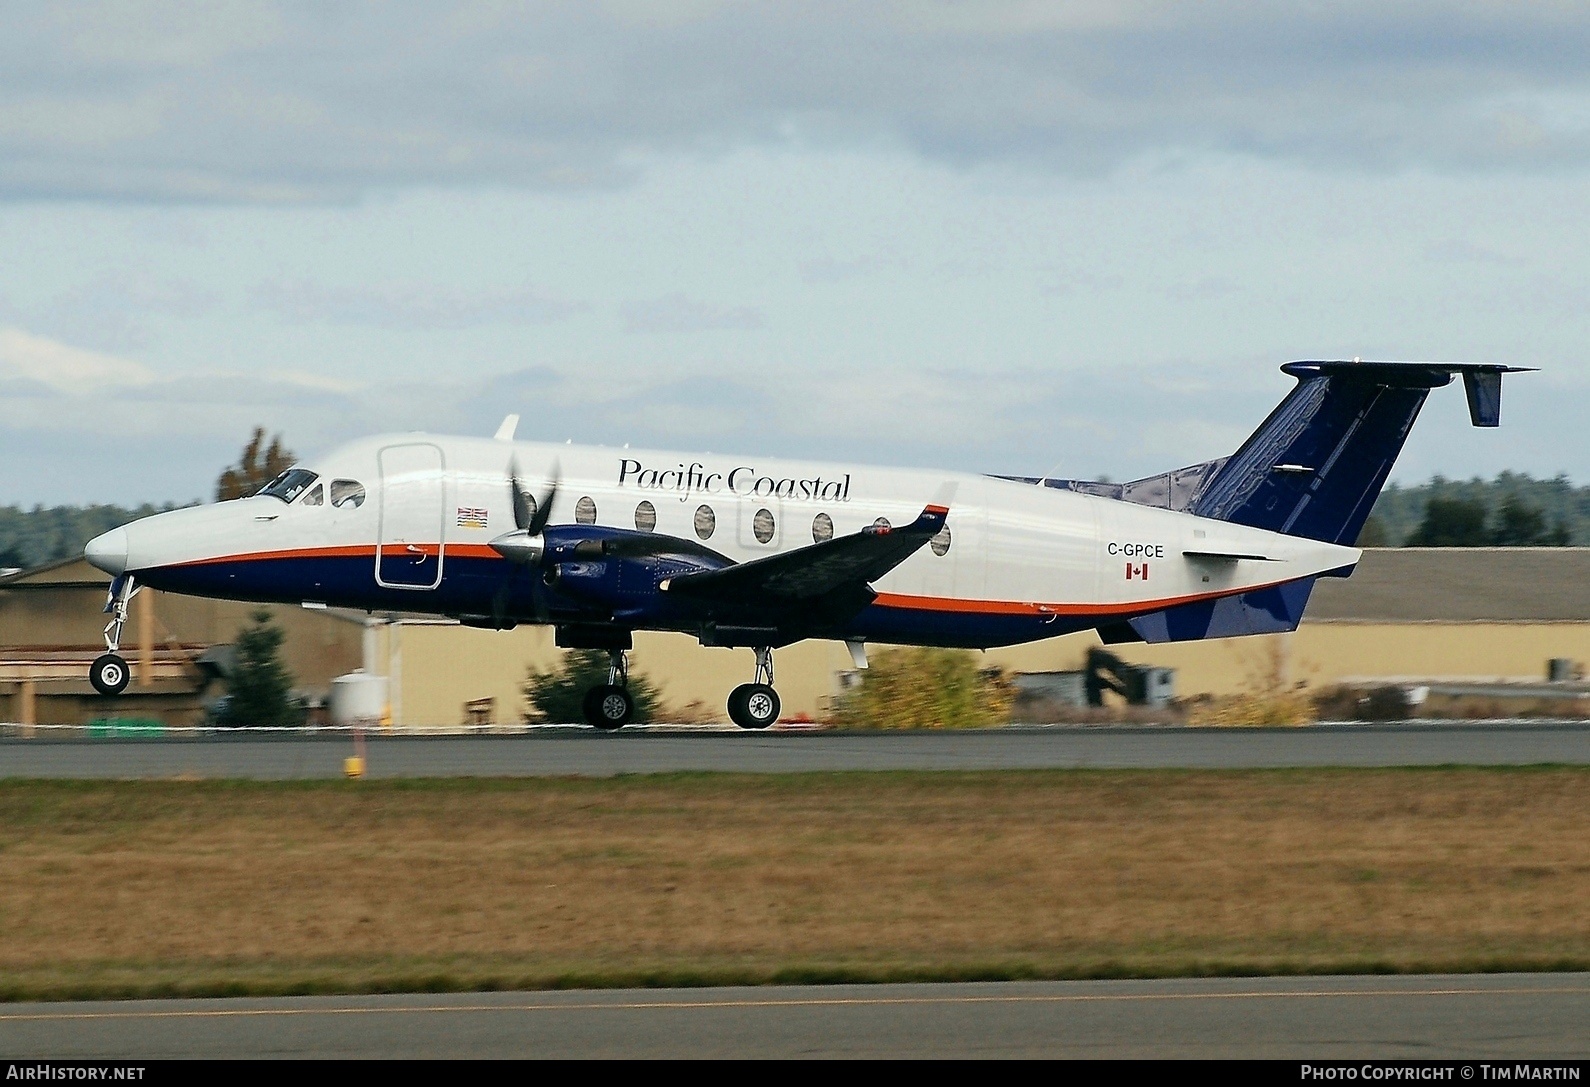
{"points": [[1316, 465], [1313, 469]]}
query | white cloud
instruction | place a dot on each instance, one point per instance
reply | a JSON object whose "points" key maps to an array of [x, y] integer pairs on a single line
{"points": [[64, 368]]}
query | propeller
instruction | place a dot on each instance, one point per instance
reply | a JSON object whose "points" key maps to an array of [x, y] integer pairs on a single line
{"points": [[530, 516]]}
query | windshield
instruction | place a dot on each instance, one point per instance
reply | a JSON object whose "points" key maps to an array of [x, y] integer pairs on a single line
{"points": [[290, 484]]}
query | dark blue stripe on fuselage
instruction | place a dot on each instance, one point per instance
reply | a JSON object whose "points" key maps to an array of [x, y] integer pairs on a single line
{"points": [[494, 587]]}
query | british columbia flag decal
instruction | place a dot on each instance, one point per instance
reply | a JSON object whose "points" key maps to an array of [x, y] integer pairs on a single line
{"points": [[471, 517]]}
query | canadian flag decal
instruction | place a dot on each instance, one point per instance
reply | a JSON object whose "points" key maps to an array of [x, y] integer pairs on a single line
{"points": [[1136, 571]]}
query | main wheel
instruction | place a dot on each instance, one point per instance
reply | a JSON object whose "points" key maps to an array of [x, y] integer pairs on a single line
{"points": [[109, 674], [608, 707], [753, 705]]}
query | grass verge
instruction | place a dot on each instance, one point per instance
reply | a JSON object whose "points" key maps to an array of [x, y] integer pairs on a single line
{"points": [[125, 889]]}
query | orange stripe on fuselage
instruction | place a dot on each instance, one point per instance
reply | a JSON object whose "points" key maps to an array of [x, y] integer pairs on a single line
{"points": [[355, 551], [1014, 607]]}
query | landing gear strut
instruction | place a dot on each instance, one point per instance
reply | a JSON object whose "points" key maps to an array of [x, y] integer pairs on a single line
{"points": [[109, 672], [610, 705], [756, 705]]}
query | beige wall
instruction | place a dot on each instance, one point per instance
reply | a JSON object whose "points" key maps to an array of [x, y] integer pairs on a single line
{"points": [[439, 667], [1321, 654], [56, 609], [443, 666]]}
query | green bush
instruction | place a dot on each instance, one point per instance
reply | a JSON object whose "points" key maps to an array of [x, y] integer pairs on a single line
{"points": [[926, 688], [556, 696]]}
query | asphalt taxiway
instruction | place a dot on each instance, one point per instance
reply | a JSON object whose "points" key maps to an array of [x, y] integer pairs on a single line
{"points": [[584, 751], [1465, 1018]]}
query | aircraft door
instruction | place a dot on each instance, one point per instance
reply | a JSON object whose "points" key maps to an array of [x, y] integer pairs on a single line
{"points": [[412, 536]]}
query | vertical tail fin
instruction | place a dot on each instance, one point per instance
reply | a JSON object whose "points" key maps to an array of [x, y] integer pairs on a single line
{"points": [[1313, 469], [1316, 465]]}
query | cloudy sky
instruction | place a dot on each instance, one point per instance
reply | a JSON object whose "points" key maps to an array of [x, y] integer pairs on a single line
{"points": [[1040, 237]]}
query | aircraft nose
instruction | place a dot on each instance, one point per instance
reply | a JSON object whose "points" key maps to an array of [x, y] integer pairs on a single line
{"points": [[108, 551]]}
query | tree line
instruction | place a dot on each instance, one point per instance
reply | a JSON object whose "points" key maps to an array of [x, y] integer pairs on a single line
{"points": [[46, 534], [1512, 510]]}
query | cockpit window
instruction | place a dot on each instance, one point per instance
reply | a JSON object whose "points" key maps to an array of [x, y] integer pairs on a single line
{"points": [[315, 497], [347, 492], [290, 484]]}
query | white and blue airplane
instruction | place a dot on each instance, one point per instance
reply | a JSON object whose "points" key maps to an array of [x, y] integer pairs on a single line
{"points": [[745, 551]]}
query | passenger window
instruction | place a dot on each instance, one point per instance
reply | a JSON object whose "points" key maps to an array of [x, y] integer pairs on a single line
{"points": [[706, 522], [347, 492], [762, 525], [941, 543], [645, 517], [585, 511], [315, 496], [822, 528]]}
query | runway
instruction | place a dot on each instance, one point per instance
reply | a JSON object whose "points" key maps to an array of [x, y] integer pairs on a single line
{"points": [[1487, 1017], [586, 752]]}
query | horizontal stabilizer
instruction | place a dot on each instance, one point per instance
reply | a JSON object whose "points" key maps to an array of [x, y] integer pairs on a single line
{"points": [[1221, 555]]}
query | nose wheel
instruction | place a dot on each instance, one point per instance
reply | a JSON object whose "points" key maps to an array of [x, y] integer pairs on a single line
{"points": [[109, 673], [610, 706], [756, 705]]}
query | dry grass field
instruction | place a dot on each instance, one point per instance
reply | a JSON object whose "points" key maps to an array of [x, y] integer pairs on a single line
{"points": [[218, 887]]}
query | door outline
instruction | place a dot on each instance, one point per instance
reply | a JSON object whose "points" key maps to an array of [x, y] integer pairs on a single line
{"points": [[399, 547]]}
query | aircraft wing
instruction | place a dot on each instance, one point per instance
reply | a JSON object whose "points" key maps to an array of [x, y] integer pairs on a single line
{"points": [[831, 576]]}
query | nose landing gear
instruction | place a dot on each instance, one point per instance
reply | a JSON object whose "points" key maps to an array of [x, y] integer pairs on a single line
{"points": [[109, 673], [756, 705], [610, 706]]}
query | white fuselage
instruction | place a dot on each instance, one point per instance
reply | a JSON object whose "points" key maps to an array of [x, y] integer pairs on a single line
{"points": [[1022, 561]]}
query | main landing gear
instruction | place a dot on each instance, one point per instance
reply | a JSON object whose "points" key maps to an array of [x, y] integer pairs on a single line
{"points": [[109, 672], [610, 705], [756, 705]]}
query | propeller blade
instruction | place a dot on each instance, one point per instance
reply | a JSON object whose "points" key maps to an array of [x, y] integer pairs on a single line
{"points": [[541, 510], [518, 500]]}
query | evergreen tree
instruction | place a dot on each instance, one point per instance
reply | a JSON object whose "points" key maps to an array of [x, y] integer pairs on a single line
{"points": [[261, 686], [255, 469], [557, 696], [1451, 522], [1518, 524]]}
